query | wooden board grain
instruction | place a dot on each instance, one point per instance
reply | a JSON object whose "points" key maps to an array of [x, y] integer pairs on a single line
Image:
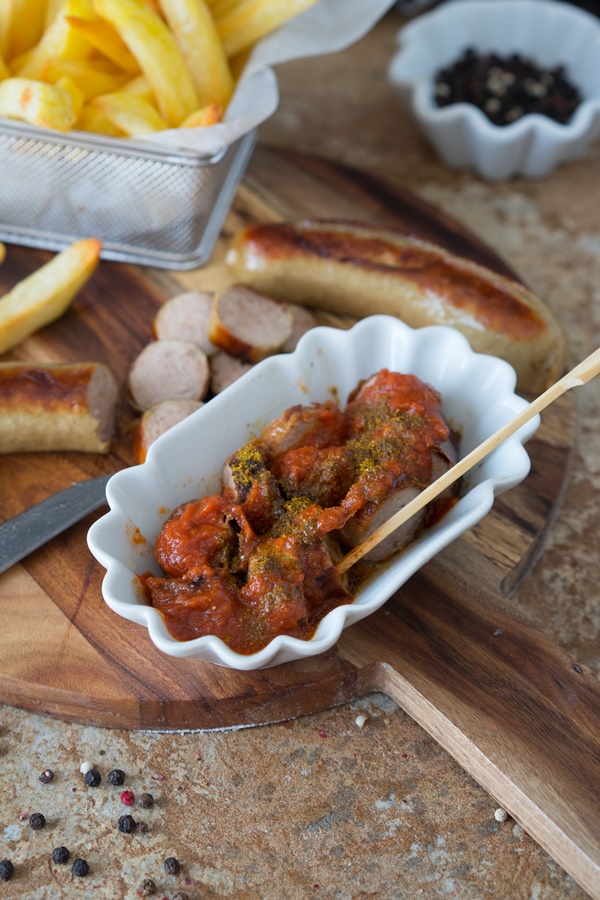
{"points": [[505, 701]]}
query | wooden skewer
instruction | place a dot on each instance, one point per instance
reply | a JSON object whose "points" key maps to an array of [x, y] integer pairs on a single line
{"points": [[581, 374]]}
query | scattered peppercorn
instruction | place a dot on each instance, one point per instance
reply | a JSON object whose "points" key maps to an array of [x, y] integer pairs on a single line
{"points": [[37, 821], [6, 869], [507, 88], [46, 776], [146, 888], [126, 824], [80, 868], [180, 895], [172, 866], [93, 778], [141, 827], [127, 798], [146, 800], [116, 776], [60, 855]]}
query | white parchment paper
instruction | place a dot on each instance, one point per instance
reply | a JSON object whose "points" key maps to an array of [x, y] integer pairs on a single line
{"points": [[327, 27]]}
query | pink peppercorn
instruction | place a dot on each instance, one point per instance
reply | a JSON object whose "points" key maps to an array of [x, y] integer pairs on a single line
{"points": [[127, 798]]}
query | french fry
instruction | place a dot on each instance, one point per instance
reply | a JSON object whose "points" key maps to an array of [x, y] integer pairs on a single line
{"points": [[37, 103], [17, 62], [154, 5], [60, 40], [208, 115], [157, 53], [52, 11], [93, 77], [6, 19], [250, 20], [4, 70], [129, 113], [46, 294], [140, 87], [93, 120], [238, 62], [104, 38], [221, 8], [77, 95], [196, 33], [28, 25]]}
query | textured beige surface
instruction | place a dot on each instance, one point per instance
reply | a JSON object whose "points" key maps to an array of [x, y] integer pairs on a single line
{"points": [[320, 807]]}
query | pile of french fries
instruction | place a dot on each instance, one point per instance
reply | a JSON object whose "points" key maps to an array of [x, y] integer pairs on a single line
{"points": [[128, 67]]}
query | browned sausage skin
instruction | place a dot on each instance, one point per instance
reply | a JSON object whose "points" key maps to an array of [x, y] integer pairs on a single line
{"points": [[360, 270], [159, 419], [248, 325], [52, 406]]}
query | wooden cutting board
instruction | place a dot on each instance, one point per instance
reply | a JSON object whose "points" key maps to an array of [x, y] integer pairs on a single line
{"points": [[520, 716]]}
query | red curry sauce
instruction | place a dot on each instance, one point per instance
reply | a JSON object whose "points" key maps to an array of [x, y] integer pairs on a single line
{"points": [[259, 559]]}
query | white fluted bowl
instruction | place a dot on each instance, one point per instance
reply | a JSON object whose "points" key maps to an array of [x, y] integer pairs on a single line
{"points": [[548, 32], [185, 463]]}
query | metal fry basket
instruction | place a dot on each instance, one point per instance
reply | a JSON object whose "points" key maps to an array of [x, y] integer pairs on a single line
{"points": [[148, 206]]}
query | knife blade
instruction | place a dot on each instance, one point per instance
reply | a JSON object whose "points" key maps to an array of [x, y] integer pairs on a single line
{"points": [[35, 526]]}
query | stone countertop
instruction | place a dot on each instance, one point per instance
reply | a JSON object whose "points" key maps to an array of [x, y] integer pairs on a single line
{"points": [[319, 806]]}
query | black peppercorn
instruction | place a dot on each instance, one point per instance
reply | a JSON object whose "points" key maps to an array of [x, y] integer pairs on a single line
{"points": [[172, 865], [147, 887], [93, 778], [6, 869], [116, 776], [80, 868], [126, 824], [37, 821], [46, 776], [60, 855], [146, 801], [506, 89]]}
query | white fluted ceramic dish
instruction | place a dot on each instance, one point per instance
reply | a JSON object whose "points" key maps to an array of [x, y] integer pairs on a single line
{"points": [[478, 397], [548, 32]]}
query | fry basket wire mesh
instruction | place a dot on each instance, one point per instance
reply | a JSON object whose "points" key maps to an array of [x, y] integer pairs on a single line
{"points": [[147, 205]]}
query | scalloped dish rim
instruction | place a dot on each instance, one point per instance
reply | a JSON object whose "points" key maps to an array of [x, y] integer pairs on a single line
{"points": [[327, 362]]}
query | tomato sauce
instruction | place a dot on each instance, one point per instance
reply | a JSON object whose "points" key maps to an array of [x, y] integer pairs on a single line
{"points": [[259, 559]]}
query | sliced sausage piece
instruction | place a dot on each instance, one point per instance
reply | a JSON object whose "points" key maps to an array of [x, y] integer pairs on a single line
{"points": [[167, 370], [371, 516], [249, 325], [185, 318], [319, 425], [364, 523], [323, 475], [48, 406], [159, 419], [302, 321], [248, 483], [225, 369]]}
